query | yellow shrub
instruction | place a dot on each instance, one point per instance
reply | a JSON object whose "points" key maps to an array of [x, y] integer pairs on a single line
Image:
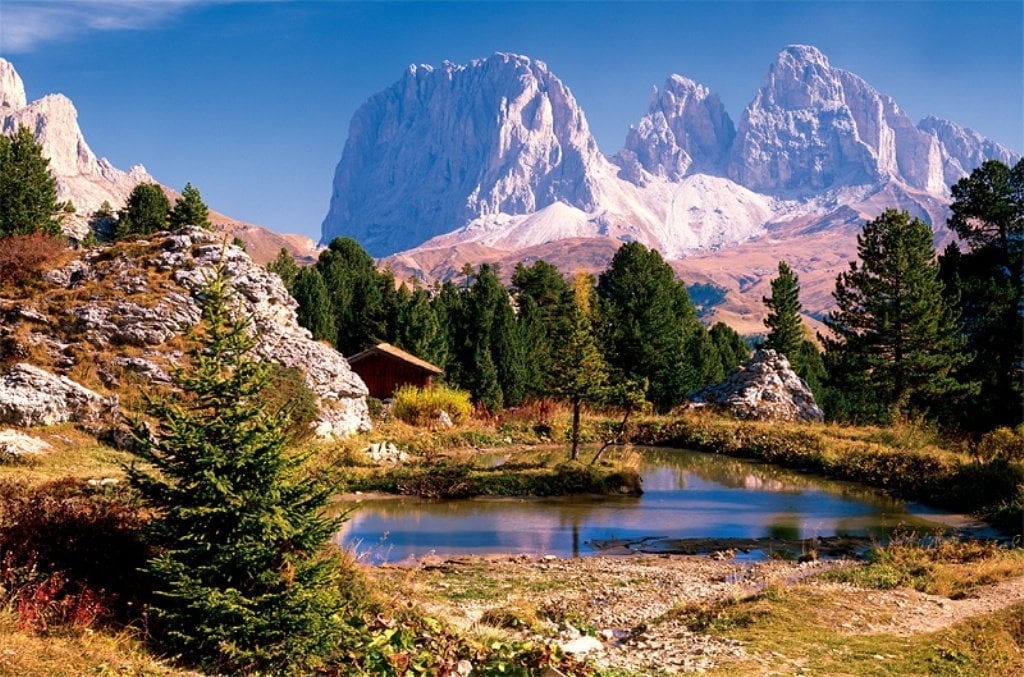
{"points": [[1004, 443], [423, 406]]}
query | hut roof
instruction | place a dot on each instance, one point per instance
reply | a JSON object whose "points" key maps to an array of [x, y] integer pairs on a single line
{"points": [[398, 353]]}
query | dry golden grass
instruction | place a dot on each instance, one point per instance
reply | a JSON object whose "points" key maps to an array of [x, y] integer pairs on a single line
{"points": [[75, 453], [72, 654]]}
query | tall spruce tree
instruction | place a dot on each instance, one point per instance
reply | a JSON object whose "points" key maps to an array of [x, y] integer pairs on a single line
{"points": [[730, 346], [242, 580], [894, 346], [486, 302], [190, 210], [987, 284], [28, 191], [315, 311], [357, 295], [545, 304], [785, 329], [285, 267], [646, 318], [146, 211], [419, 330]]}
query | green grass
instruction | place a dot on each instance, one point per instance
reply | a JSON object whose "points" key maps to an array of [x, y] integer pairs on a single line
{"points": [[797, 630]]}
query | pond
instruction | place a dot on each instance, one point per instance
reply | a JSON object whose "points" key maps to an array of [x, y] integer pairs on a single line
{"points": [[688, 495]]}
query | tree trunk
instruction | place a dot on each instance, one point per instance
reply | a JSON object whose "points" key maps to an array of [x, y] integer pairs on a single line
{"points": [[575, 430]]}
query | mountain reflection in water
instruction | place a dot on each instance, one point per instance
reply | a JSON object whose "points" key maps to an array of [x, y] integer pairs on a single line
{"points": [[687, 494]]}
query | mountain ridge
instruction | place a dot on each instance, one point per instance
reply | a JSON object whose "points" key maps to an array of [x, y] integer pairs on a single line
{"points": [[499, 152], [88, 180]]}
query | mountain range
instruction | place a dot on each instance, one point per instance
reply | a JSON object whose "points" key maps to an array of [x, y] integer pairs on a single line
{"points": [[494, 161], [88, 181]]}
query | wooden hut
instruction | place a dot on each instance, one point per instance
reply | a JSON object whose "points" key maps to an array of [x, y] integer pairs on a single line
{"points": [[384, 368]]}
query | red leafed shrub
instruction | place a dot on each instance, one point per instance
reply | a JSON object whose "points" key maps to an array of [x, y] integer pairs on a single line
{"points": [[71, 553], [54, 602], [23, 257]]}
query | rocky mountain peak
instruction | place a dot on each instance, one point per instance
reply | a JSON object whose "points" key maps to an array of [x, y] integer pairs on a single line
{"points": [[686, 131], [963, 149], [448, 144], [82, 177], [801, 77], [813, 128], [12, 89]]}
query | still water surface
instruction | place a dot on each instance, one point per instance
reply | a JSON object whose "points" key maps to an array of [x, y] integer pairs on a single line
{"points": [[687, 494]]}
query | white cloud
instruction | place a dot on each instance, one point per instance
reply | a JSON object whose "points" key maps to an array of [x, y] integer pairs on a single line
{"points": [[27, 24]]}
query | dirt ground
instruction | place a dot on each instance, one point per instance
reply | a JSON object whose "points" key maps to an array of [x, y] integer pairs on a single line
{"points": [[626, 603]]}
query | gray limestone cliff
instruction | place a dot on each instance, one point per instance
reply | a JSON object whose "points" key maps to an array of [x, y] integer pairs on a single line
{"points": [[117, 315]]}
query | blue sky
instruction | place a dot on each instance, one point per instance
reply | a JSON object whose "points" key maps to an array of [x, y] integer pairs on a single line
{"points": [[250, 101]]}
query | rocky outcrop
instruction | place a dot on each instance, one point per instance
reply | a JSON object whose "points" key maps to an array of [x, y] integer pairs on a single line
{"points": [[764, 388], [31, 396], [151, 296]]}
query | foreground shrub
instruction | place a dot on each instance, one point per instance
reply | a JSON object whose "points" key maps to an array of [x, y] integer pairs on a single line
{"points": [[287, 393], [423, 406], [71, 553], [26, 257], [1006, 444]]}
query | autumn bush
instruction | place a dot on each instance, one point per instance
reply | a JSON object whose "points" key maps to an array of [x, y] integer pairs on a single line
{"points": [[25, 257], [423, 406], [71, 553], [1003, 443]]}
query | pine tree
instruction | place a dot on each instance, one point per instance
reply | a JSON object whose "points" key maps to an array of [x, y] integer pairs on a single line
{"points": [[28, 191], [510, 357], [486, 302], [449, 305], [545, 304], [785, 330], [357, 295], [703, 363], [646, 318], [190, 210], [419, 330], [242, 580], [580, 372], [146, 211], [732, 349], [285, 267], [986, 284], [315, 312], [894, 341]]}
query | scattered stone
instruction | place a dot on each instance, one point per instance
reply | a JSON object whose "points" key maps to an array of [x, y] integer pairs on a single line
{"points": [[463, 667], [13, 443], [30, 396], [145, 368], [764, 388], [385, 452], [583, 645], [444, 419]]}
